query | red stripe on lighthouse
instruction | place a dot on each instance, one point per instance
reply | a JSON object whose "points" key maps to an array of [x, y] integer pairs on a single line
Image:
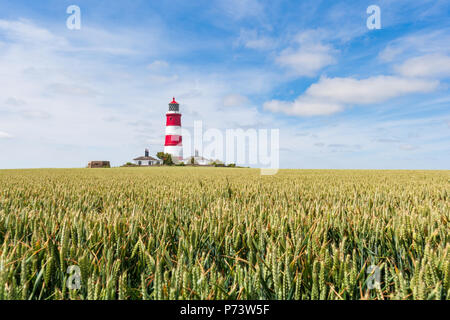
{"points": [[173, 119], [173, 140]]}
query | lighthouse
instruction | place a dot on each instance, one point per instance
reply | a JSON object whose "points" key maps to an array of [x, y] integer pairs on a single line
{"points": [[173, 144]]}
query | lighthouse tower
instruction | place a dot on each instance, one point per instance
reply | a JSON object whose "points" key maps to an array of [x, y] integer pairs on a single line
{"points": [[174, 144]]}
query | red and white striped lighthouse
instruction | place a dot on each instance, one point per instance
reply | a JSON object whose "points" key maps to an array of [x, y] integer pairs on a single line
{"points": [[174, 144]]}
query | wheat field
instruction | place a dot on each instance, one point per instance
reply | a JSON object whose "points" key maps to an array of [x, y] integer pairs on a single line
{"points": [[220, 233]]}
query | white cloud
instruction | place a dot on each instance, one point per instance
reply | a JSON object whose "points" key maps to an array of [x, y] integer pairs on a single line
{"points": [[235, 100], [5, 135], [369, 90], [346, 143], [388, 140], [240, 9], [15, 102], [26, 32], [71, 89], [89, 40], [420, 43], [308, 55], [432, 65], [158, 65], [408, 147], [252, 40], [303, 106], [331, 95]]}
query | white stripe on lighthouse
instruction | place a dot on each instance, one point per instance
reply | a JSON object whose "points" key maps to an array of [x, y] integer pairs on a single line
{"points": [[175, 151], [173, 131]]}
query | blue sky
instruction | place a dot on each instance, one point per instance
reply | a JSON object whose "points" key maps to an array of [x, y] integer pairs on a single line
{"points": [[343, 96]]}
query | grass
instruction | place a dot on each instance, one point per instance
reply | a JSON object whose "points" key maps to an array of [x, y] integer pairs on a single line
{"points": [[220, 233]]}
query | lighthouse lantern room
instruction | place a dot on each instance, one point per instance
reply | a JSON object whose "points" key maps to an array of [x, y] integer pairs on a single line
{"points": [[173, 144]]}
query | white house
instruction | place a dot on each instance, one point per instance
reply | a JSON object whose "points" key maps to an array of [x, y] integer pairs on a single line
{"points": [[199, 160], [146, 160]]}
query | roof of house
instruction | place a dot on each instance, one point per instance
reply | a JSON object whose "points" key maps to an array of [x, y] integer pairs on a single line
{"points": [[145, 158]]}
